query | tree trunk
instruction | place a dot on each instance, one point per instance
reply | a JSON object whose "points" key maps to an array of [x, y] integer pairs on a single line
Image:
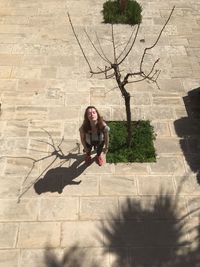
{"points": [[127, 98], [128, 118], [122, 5]]}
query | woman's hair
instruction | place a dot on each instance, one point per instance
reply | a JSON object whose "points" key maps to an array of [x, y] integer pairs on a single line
{"points": [[86, 123]]}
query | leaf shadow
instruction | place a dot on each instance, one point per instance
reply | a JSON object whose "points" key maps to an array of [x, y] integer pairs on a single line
{"points": [[73, 257], [155, 235]]}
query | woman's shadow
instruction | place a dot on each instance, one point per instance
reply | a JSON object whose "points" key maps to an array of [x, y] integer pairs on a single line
{"points": [[57, 178]]}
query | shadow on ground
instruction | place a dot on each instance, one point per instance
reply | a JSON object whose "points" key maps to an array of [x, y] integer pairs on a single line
{"points": [[73, 257], [153, 236], [188, 129], [57, 178], [156, 233]]}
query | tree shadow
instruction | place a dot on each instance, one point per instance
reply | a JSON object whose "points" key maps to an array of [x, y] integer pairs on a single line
{"points": [[142, 235], [57, 178], [73, 257], [153, 237], [188, 129]]}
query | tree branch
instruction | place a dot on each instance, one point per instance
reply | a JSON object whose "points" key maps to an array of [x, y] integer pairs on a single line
{"points": [[102, 48], [148, 48], [79, 43], [113, 43], [127, 43], [138, 26], [95, 47]]}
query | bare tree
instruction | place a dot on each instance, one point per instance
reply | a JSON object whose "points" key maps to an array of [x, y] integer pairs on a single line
{"points": [[113, 68]]}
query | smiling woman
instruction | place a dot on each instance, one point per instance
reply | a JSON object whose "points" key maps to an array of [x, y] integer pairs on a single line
{"points": [[94, 133]]}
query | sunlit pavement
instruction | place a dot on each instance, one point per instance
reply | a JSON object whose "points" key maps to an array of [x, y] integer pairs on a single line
{"points": [[140, 214]]}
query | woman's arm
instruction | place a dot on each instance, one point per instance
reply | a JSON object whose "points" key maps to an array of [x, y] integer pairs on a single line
{"points": [[106, 141], [82, 137]]}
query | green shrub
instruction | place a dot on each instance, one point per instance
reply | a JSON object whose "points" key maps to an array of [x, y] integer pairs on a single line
{"points": [[132, 14], [142, 148]]}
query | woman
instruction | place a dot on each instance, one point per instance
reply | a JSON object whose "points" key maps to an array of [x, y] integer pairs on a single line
{"points": [[94, 133]]}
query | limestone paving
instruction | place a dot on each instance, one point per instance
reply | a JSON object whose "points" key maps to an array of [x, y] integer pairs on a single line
{"points": [[115, 215]]}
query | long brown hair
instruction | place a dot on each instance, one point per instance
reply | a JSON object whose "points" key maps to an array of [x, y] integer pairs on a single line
{"points": [[86, 123]]}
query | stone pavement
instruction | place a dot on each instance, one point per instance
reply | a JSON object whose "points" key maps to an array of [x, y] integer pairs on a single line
{"points": [[117, 215]]}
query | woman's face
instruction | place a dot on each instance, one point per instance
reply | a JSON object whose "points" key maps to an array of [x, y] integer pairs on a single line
{"points": [[92, 115]]}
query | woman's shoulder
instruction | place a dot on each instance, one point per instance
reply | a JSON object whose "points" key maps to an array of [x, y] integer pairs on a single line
{"points": [[106, 128]]}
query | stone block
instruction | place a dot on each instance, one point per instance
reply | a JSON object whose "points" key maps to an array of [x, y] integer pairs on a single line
{"points": [[48, 72], [168, 165], [10, 186], [94, 169], [118, 185], [2, 164], [131, 168], [26, 210], [26, 72], [8, 85], [193, 204], [10, 60], [118, 113], [9, 258], [181, 72], [161, 129], [63, 60], [61, 209], [77, 99], [99, 96], [64, 113], [89, 257], [171, 85], [188, 185], [5, 48], [180, 61], [8, 235], [33, 60], [159, 113], [168, 146], [31, 112], [71, 130], [5, 72], [98, 208], [63, 72], [38, 257], [81, 233], [172, 101], [35, 85], [6, 148], [140, 98], [20, 166], [39, 235], [89, 186], [154, 185]]}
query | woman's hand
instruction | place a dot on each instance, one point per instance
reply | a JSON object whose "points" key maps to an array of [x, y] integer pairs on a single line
{"points": [[86, 150]]}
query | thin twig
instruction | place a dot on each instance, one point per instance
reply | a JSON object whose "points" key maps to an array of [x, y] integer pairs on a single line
{"points": [[102, 48], [127, 43], [138, 26], [79, 43], [93, 45], [148, 48]]}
